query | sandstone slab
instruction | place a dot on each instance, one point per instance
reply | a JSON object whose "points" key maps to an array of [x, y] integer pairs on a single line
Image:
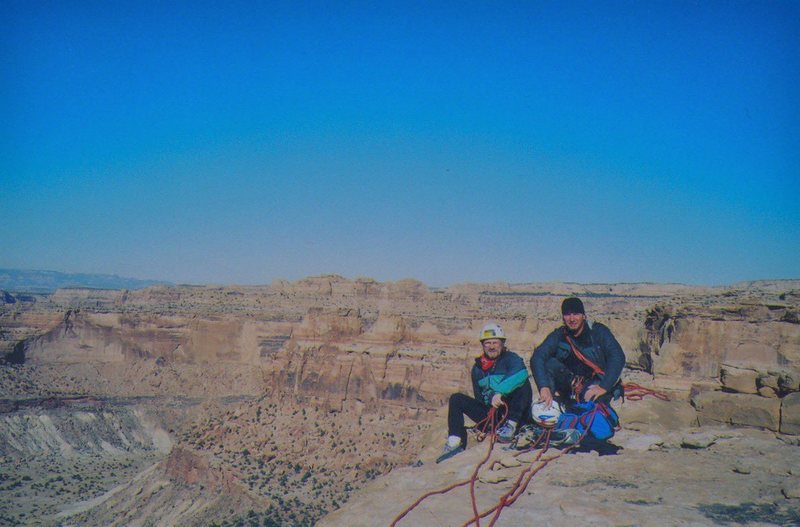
{"points": [[696, 487], [654, 415], [699, 440], [792, 490], [790, 414], [738, 409], [742, 380], [640, 442]]}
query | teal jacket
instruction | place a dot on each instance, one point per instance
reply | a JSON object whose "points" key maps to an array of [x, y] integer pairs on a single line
{"points": [[507, 374]]}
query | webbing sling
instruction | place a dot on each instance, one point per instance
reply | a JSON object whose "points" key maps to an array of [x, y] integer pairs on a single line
{"points": [[595, 368]]}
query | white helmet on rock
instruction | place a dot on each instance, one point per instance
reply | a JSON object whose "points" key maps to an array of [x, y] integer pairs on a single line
{"points": [[492, 331], [544, 416]]}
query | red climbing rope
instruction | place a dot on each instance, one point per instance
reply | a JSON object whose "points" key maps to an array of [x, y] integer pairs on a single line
{"points": [[519, 486], [487, 426], [525, 477], [426, 496], [636, 392]]}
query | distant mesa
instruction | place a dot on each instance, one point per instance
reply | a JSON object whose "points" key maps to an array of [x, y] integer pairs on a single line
{"points": [[45, 282]]}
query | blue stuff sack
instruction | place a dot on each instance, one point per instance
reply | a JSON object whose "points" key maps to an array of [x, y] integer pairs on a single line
{"points": [[600, 419]]}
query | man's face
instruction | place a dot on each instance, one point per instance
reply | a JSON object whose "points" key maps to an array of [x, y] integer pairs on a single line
{"points": [[492, 347], [574, 321]]}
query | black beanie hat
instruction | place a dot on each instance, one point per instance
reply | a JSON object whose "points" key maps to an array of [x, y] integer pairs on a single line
{"points": [[572, 304]]}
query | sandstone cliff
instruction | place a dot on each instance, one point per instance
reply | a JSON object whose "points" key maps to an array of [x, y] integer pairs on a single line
{"points": [[345, 379]]}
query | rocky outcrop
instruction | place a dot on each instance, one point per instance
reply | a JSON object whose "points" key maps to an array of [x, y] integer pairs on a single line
{"points": [[654, 415], [737, 379], [89, 297], [716, 408], [745, 328], [777, 383], [702, 347], [83, 427], [66, 454]]}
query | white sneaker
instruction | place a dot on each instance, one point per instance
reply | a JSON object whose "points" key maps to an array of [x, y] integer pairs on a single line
{"points": [[449, 451]]}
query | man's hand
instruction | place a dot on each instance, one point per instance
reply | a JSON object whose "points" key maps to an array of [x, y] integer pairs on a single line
{"points": [[497, 400], [593, 392], [546, 397]]}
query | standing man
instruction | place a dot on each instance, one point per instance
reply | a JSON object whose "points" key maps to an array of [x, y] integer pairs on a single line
{"points": [[499, 376], [580, 360]]}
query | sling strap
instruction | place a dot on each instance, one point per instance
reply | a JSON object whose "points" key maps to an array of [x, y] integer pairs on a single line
{"points": [[594, 367]]}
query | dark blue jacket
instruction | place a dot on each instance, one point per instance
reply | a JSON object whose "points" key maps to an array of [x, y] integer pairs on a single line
{"points": [[596, 343], [507, 374]]}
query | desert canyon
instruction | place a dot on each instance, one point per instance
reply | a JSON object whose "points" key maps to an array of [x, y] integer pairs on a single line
{"points": [[323, 402]]}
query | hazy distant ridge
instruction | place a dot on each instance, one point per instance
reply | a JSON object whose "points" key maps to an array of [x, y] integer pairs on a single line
{"points": [[18, 280]]}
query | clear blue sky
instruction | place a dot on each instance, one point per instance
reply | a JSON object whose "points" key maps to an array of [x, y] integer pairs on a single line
{"points": [[240, 142]]}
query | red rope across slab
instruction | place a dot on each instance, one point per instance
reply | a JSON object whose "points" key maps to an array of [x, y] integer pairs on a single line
{"points": [[632, 391], [519, 486], [636, 392], [487, 426]]}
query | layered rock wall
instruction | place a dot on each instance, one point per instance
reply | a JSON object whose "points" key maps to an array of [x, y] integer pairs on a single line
{"points": [[362, 342]]}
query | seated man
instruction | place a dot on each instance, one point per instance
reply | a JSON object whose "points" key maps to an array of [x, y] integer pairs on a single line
{"points": [[580, 361], [498, 376]]}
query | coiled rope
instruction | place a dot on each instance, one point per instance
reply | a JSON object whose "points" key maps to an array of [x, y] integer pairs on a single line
{"points": [[636, 392]]}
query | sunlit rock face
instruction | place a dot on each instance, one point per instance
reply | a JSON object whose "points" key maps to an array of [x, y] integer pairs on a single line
{"points": [[400, 342], [725, 335]]}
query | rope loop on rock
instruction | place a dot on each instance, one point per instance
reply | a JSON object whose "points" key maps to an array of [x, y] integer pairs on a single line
{"points": [[636, 392]]}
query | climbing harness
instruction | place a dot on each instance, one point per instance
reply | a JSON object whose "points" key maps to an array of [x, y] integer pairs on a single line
{"points": [[631, 391]]}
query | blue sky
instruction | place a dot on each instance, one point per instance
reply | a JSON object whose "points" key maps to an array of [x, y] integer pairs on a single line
{"points": [[241, 142]]}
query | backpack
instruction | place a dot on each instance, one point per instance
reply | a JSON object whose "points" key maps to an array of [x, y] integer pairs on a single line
{"points": [[597, 419]]}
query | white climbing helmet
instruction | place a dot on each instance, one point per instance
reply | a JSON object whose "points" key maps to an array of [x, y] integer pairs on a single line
{"points": [[544, 416], [492, 331]]}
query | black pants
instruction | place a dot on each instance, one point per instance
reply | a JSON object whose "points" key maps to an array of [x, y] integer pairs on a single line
{"points": [[563, 377], [518, 401]]}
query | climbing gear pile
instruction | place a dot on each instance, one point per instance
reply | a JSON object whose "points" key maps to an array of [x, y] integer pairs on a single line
{"points": [[598, 419]]}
